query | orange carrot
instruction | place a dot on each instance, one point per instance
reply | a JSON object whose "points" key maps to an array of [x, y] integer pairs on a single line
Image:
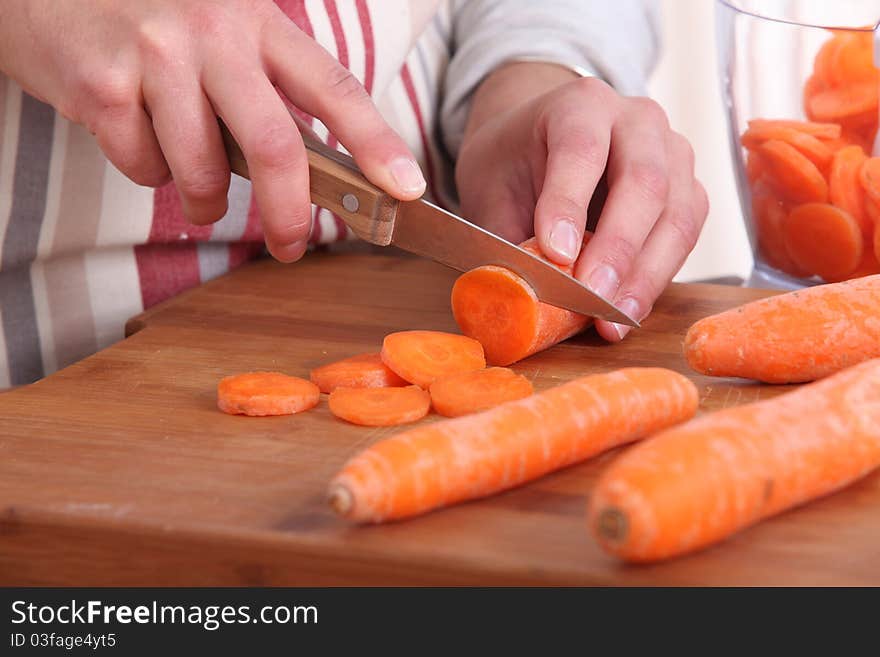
{"points": [[473, 456], [361, 371], [792, 174], [867, 267], [698, 483], [470, 392], [823, 239], [877, 240], [844, 189], [869, 177], [812, 148], [422, 356], [818, 130], [379, 407], [265, 393], [755, 168], [852, 62], [501, 310], [793, 337]]}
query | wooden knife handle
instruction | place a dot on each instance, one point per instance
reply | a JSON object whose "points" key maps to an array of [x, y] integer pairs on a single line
{"points": [[335, 183]]}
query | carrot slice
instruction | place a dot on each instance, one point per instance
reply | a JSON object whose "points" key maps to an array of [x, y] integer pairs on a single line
{"points": [[755, 167], [817, 152], [469, 392], [379, 407], [793, 337], [817, 130], [361, 371], [853, 101], [768, 213], [422, 356], [852, 62], [473, 456], [265, 393], [869, 266], [501, 310], [823, 239], [812, 86], [823, 63], [877, 240], [792, 174], [869, 177], [844, 188], [698, 483]]}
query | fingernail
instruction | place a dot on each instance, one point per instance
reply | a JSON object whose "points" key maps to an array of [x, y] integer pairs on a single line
{"points": [[289, 252], [629, 307], [604, 281], [564, 239], [407, 175]]}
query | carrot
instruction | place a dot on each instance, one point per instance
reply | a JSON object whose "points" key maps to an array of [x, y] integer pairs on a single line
{"points": [[379, 407], [768, 213], [361, 371], [844, 189], [469, 392], [877, 239], [698, 483], [793, 337], [422, 356], [818, 130], [812, 86], [867, 267], [500, 309], [265, 393], [869, 177], [852, 62], [851, 103], [755, 167], [812, 148], [823, 239], [792, 174], [468, 457]]}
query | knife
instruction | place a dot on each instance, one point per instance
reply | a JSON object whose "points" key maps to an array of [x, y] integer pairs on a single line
{"points": [[420, 227]]}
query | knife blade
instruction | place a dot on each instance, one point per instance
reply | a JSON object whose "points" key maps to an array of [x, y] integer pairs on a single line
{"points": [[420, 227]]}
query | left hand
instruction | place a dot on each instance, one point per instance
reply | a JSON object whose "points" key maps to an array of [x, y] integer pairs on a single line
{"points": [[532, 167]]}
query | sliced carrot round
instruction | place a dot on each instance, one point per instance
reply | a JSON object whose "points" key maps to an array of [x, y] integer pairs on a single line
{"points": [[812, 86], [265, 393], [792, 174], [852, 62], [823, 239], [877, 240], [755, 167], [361, 371], [379, 407], [814, 149], [470, 392], [847, 102], [768, 213], [422, 356], [817, 130], [844, 188], [868, 266], [869, 178]]}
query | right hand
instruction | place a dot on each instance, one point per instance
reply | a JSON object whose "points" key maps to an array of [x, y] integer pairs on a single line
{"points": [[149, 79]]}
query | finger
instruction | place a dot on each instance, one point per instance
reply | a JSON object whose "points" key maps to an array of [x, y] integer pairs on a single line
{"points": [[668, 244], [187, 128], [577, 152], [317, 83], [126, 136], [257, 118], [637, 192]]}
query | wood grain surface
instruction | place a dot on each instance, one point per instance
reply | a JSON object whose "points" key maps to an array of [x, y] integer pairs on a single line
{"points": [[119, 470]]}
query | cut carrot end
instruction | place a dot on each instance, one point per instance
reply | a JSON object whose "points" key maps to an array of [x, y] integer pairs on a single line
{"points": [[340, 499], [612, 525]]}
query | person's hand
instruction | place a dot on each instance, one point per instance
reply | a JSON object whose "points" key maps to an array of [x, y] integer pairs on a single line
{"points": [[149, 79], [534, 165]]}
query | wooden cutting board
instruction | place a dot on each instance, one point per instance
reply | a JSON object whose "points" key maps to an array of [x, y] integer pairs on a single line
{"points": [[120, 470]]}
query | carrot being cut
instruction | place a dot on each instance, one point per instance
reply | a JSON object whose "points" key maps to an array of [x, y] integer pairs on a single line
{"points": [[793, 337], [698, 483], [422, 356], [379, 407], [501, 310], [265, 393], [792, 174], [361, 371], [823, 240], [473, 456], [844, 189], [470, 392]]}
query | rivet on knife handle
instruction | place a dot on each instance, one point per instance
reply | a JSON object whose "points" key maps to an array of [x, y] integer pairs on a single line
{"points": [[335, 185]]}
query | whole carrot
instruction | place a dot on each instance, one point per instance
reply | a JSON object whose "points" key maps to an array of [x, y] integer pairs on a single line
{"points": [[477, 455], [698, 483], [791, 338]]}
